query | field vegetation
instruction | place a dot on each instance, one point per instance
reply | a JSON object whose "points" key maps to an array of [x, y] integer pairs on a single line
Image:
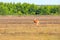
{"points": [[23, 28], [28, 9]]}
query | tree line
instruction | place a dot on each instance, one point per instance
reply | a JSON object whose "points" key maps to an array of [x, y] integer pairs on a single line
{"points": [[28, 9]]}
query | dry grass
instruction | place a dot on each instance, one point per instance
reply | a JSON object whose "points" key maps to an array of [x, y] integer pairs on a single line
{"points": [[26, 30], [29, 32]]}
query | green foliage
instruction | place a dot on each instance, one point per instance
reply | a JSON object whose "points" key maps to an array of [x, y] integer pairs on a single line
{"points": [[28, 9]]}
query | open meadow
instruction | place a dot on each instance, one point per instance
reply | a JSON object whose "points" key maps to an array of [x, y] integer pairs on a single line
{"points": [[23, 28]]}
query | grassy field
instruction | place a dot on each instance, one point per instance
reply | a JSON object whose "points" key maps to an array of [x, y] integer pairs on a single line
{"points": [[23, 28]]}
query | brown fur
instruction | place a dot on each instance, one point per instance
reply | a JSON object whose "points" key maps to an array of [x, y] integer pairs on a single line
{"points": [[36, 21]]}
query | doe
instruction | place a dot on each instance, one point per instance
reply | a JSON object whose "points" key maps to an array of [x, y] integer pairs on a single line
{"points": [[36, 21]]}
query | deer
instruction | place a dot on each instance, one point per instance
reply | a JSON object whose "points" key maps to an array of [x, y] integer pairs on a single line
{"points": [[36, 21]]}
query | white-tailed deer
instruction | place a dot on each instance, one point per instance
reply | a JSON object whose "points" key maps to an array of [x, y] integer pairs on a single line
{"points": [[36, 21]]}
